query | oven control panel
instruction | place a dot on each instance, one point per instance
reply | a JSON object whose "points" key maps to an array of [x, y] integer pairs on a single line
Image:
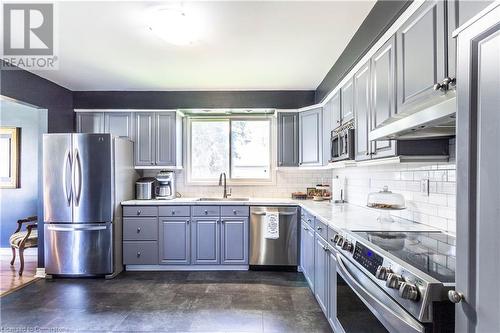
{"points": [[367, 258]]}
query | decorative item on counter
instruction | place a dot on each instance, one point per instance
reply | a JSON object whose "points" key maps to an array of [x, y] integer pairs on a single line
{"points": [[386, 201], [322, 192], [311, 192], [299, 195]]}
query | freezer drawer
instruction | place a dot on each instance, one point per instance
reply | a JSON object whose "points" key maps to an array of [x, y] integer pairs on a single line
{"points": [[78, 249], [282, 251]]}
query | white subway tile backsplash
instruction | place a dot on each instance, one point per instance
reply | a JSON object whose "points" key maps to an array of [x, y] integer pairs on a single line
{"points": [[436, 208]]}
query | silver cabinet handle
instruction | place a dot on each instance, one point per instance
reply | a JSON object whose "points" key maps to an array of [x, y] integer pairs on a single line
{"points": [[173, 212], [305, 229], [139, 212], [455, 297], [235, 212], [138, 230], [206, 212], [138, 254], [187, 221], [221, 221], [319, 228]]}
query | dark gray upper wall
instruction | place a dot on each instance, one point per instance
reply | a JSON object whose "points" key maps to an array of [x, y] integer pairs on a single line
{"points": [[29, 88], [283, 99], [380, 18]]}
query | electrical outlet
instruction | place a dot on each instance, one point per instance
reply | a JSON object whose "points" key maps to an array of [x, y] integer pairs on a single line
{"points": [[424, 186]]}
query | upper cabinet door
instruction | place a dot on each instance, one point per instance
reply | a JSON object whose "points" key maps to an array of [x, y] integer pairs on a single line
{"points": [[288, 139], [165, 139], [459, 12], [336, 110], [383, 104], [421, 56], [310, 137], [144, 139], [362, 111], [327, 127], [90, 122], [118, 124], [347, 109]]}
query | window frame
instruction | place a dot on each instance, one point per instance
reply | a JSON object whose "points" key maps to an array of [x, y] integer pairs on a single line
{"points": [[233, 181]]}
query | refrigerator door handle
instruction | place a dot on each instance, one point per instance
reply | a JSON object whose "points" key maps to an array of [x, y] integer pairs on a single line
{"points": [[76, 228], [77, 178], [67, 194]]}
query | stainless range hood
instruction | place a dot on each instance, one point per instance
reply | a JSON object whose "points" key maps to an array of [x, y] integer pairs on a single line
{"points": [[432, 122]]}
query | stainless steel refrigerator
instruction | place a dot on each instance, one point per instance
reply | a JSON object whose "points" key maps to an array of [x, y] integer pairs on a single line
{"points": [[85, 177]]}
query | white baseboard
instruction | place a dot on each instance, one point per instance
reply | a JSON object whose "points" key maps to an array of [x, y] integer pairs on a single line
{"points": [[186, 268], [32, 251], [40, 273]]}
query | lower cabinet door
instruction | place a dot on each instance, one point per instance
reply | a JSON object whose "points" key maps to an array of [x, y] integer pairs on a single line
{"points": [[205, 237], [140, 253], [307, 250], [174, 241], [234, 241], [321, 272], [332, 290]]}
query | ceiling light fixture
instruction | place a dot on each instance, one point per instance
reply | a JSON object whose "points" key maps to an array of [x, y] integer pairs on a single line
{"points": [[174, 25]]}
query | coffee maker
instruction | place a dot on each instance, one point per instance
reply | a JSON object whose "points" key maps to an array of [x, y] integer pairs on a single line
{"points": [[166, 185]]}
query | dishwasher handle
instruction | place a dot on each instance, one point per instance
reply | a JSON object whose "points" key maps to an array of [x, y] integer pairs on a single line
{"points": [[264, 213]]}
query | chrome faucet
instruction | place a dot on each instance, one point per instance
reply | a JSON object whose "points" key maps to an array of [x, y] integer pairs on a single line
{"points": [[225, 195]]}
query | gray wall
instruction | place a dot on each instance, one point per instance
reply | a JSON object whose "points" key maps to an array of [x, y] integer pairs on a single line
{"points": [[22, 202]]}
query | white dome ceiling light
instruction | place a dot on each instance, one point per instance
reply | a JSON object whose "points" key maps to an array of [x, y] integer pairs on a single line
{"points": [[174, 25]]}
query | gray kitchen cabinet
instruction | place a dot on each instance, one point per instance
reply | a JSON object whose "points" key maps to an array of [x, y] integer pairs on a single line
{"points": [[174, 241], [165, 138], [421, 57], [327, 127], [362, 112], [336, 110], [310, 137], [321, 272], [140, 253], [478, 179], [307, 253], [145, 139], [383, 102], [332, 289], [205, 240], [347, 101], [234, 240], [288, 139], [459, 12], [90, 122], [119, 124], [157, 139]]}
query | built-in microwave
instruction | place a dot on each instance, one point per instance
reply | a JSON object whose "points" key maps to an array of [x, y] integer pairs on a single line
{"points": [[342, 143]]}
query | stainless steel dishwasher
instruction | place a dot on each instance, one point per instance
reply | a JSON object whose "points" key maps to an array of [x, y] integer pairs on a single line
{"points": [[279, 252]]}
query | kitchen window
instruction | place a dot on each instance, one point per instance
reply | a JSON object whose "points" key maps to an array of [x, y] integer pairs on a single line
{"points": [[240, 147]]}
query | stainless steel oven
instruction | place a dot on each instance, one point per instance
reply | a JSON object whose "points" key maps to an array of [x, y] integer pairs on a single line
{"points": [[342, 143], [378, 291], [363, 307]]}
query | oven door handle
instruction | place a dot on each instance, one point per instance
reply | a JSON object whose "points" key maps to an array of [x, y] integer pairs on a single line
{"points": [[397, 318]]}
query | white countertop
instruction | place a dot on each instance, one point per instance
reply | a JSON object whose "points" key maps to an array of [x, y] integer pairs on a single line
{"points": [[338, 216]]}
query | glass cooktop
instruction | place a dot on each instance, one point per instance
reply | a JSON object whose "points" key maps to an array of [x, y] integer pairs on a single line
{"points": [[431, 252]]}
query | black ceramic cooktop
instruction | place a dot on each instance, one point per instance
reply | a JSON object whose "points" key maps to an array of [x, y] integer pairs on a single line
{"points": [[431, 252]]}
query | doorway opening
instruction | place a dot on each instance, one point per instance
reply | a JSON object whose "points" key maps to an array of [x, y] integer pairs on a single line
{"points": [[22, 127]]}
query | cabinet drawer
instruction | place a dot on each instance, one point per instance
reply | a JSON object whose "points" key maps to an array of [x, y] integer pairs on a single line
{"points": [[140, 253], [234, 211], [140, 211], [206, 210], [174, 210], [321, 229], [308, 218], [140, 228]]}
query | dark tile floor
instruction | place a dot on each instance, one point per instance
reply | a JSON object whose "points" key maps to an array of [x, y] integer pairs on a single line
{"points": [[167, 302]]}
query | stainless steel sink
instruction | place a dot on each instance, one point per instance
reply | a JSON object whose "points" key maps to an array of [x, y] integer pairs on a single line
{"points": [[223, 199]]}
